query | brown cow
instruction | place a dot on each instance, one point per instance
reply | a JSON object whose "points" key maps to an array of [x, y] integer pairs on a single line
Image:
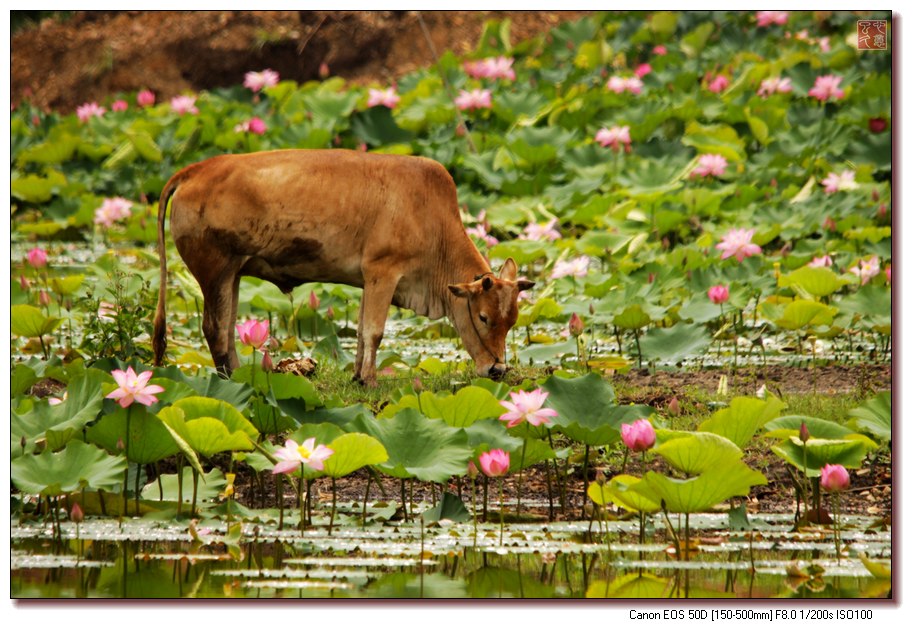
{"points": [[388, 224]]}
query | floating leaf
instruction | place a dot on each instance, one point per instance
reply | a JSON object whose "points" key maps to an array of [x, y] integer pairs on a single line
{"points": [[813, 281], [450, 507], [673, 344], [78, 466]]}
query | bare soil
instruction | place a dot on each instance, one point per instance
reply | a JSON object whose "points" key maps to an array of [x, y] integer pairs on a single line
{"points": [[93, 55]]}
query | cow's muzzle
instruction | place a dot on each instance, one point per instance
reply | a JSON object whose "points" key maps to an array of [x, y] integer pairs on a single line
{"points": [[497, 371]]}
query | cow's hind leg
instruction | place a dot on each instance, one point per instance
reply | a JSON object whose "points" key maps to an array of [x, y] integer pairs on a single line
{"points": [[219, 315], [358, 359], [378, 290]]}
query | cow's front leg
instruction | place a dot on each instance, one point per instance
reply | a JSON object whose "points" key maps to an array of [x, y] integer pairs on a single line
{"points": [[377, 297], [358, 358]]}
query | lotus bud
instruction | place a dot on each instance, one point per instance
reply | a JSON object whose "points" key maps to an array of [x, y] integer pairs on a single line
{"points": [[576, 325], [417, 384], [803, 433], [829, 224], [882, 212], [76, 513], [330, 313], [44, 298], [24, 283], [267, 364], [472, 470], [834, 478], [638, 436], [313, 301], [324, 71]]}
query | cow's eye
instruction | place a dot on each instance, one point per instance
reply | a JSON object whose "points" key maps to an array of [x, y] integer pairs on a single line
{"points": [[483, 318]]}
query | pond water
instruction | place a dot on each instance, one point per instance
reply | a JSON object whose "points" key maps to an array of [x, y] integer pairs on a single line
{"points": [[142, 558]]}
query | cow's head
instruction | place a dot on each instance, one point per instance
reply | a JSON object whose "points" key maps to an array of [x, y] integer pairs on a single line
{"points": [[488, 310]]}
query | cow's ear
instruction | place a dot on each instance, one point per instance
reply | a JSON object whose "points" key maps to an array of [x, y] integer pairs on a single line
{"points": [[525, 284], [509, 270], [460, 290], [487, 284]]}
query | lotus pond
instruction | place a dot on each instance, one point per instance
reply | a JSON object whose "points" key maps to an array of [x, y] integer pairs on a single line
{"points": [[688, 191]]}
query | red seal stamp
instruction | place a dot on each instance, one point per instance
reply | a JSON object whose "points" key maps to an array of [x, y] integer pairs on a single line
{"points": [[871, 34]]}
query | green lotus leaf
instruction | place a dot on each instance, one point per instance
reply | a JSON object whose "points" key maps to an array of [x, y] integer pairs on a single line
{"points": [[324, 433], [57, 424], [209, 486], [674, 344], [51, 152], [702, 492], [269, 419], [632, 317], [741, 420], [78, 466], [619, 492], [586, 411], [417, 446], [698, 452], [813, 281], [30, 322], [450, 507], [788, 426], [536, 452], [66, 285], [715, 139], [462, 408], [819, 452], [21, 379], [209, 426], [486, 435], [874, 416], [149, 440], [212, 386], [353, 451], [802, 313]]}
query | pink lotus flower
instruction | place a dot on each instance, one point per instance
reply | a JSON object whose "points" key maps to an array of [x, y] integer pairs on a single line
{"points": [[479, 98], [824, 44], [112, 209], [766, 18], [834, 478], [57, 401], [578, 267], [821, 261], [494, 463], [737, 242], [293, 456], [183, 104], [527, 407], [37, 257], [638, 436], [642, 70], [620, 85], [718, 294], [256, 81], [660, 50], [119, 106], [89, 110], [253, 333], [770, 86], [718, 84], [826, 87], [386, 97], [255, 125], [844, 182], [146, 98], [495, 67], [535, 231], [713, 165], [614, 137], [867, 269], [133, 387], [480, 231]]}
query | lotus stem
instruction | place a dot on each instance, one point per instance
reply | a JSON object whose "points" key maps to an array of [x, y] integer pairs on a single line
{"points": [[501, 512], [334, 500]]}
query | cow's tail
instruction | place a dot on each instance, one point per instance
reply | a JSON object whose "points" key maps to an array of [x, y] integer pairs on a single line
{"points": [[159, 323]]}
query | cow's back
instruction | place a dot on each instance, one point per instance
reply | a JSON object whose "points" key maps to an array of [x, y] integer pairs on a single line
{"points": [[313, 215]]}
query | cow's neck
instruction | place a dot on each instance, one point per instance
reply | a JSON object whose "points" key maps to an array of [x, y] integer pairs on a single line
{"points": [[464, 266]]}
